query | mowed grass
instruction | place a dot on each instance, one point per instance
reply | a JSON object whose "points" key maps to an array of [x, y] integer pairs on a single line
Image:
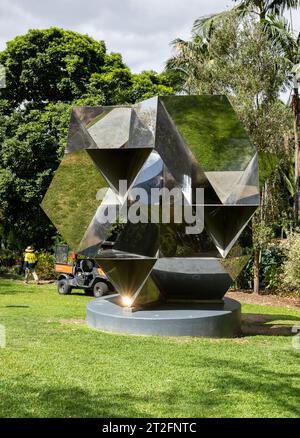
{"points": [[55, 366]]}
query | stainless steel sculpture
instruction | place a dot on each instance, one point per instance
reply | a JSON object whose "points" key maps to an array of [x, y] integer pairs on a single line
{"points": [[187, 142]]}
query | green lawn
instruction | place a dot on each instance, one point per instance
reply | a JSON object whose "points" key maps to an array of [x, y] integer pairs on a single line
{"points": [[55, 366]]}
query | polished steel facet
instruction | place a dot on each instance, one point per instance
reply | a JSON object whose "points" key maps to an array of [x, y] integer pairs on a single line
{"points": [[224, 224], [127, 272], [111, 131], [143, 124], [119, 165]]}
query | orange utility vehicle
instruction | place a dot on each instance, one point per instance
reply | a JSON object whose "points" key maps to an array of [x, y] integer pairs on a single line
{"points": [[81, 273]]}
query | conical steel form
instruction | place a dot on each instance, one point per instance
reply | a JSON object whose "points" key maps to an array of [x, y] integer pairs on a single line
{"points": [[126, 273], [225, 224], [119, 164]]}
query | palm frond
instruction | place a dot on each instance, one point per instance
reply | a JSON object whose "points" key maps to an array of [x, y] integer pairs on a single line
{"points": [[278, 7], [278, 30], [203, 26], [288, 179], [263, 8]]}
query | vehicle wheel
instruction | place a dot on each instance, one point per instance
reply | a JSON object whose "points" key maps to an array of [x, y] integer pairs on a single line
{"points": [[63, 287], [100, 288]]}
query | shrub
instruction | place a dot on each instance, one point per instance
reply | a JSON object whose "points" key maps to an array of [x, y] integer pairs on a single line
{"points": [[17, 269], [245, 279], [3, 270], [8, 257], [272, 260], [271, 268], [45, 266]]}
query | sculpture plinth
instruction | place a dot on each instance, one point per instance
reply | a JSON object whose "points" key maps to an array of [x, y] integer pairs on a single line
{"points": [[167, 319]]}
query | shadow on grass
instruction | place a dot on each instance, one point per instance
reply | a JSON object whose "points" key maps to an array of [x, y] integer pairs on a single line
{"points": [[13, 288], [275, 394], [11, 276], [72, 402], [260, 324], [17, 307], [273, 389], [82, 294]]}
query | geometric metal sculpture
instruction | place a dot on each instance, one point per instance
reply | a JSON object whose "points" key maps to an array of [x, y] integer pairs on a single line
{"points": [[183, 142]]}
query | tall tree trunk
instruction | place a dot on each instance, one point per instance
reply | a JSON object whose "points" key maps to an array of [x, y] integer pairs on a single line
{"points": [[296, 108], [296, 202], [256, 271]]}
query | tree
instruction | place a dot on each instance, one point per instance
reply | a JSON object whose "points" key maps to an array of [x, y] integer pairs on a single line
{"points": [[120, 86], [268, 13], [30, 153], [50, 65], [48, 71]]}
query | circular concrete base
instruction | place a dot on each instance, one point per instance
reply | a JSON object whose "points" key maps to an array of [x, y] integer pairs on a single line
{"points": [[171, 319]]}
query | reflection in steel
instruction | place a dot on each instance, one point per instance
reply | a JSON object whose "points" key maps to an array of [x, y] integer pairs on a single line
{"points": [[119, 164], [183, 142], [127, 273]]}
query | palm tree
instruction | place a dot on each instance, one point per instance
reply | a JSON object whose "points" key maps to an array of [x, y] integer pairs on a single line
{"points": [[274, 25], [188, 61], [260, 8], [264, 8], [269, 13]]}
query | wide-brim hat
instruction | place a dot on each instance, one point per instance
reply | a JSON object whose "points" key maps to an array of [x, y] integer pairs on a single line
{"points": [[29, 249]]}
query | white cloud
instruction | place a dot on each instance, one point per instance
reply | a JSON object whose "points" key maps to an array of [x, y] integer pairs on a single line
{"points": [[141, 30]]}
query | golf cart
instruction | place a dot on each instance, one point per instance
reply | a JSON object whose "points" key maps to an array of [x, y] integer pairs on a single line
{"points": [[81, 273]]}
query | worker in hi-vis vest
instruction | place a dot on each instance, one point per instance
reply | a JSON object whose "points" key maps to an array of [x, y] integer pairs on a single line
{"points": [[30, 260]]}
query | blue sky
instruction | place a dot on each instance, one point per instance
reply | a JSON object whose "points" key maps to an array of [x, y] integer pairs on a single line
{"points": [[139, 29]]}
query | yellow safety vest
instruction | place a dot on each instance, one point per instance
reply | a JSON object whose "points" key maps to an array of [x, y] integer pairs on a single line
{"points": [[30, 257]]}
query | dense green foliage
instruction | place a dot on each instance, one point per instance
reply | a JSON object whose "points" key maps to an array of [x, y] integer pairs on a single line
{"points": [[56, 65], [51, 65], [272, 259], [29, 153], [48, 71], [45, 266], [58, 367]]}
